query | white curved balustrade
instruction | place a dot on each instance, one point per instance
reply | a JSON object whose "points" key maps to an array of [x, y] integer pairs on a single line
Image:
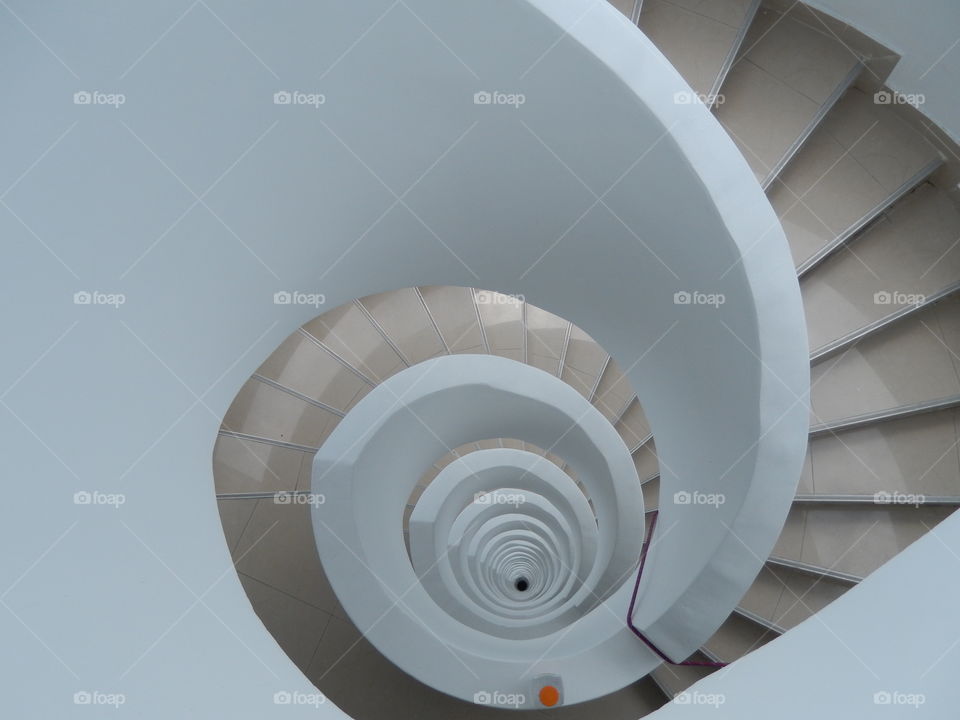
{"points": [[496, 478], [372, 460], [200, 199]]}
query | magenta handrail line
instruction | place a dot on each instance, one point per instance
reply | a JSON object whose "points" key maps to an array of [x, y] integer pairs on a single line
{"points": [[633, 602]]}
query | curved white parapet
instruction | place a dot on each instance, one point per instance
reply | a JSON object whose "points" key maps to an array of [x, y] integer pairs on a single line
{"points": [[371, 462], [928, 69], [887, 648], [496, 478], [199, 199]]}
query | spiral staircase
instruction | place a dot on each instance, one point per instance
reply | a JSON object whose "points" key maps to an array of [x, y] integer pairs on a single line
{"points": [[744, 60], [435, 494]]}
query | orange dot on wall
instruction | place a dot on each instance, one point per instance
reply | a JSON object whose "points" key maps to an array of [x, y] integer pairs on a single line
{"points": [[549, 695]]}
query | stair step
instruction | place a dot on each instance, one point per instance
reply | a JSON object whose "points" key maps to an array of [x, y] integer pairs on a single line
{"points": [[651, 494], [881, 498], [910, 455], [584, 362], [912, 367], [854, 540], [263, 411], [613, 392], [814, 570], [699, 39], [633, 425], [860, 160], [783, 597], [738, 636], [627, 7], [908, 258], [645, 460], [546, 337], [786, 79], [674, 679], [834, 347]]}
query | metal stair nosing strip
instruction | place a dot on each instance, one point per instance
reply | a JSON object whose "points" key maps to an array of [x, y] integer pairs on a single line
{"points": [[563, 352], [842, 343], [297, 394], [336, 356], [897, 498], [908, 186], [596, 384], [814, 570], [711, 656], [262, 494], [644, 441], [483, 330], [623, 411], [759, 620], [895, 413], [383, 333], [267, 441], [821, 113], [728, 61], [666, 693], [432, 319]]}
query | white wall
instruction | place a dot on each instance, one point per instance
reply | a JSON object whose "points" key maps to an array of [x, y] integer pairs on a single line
{"points": [[889, 648], [200, 198], [925, 33]]}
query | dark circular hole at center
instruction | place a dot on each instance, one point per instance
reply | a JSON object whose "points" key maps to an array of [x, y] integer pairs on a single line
{"points": [[521, 584]]}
